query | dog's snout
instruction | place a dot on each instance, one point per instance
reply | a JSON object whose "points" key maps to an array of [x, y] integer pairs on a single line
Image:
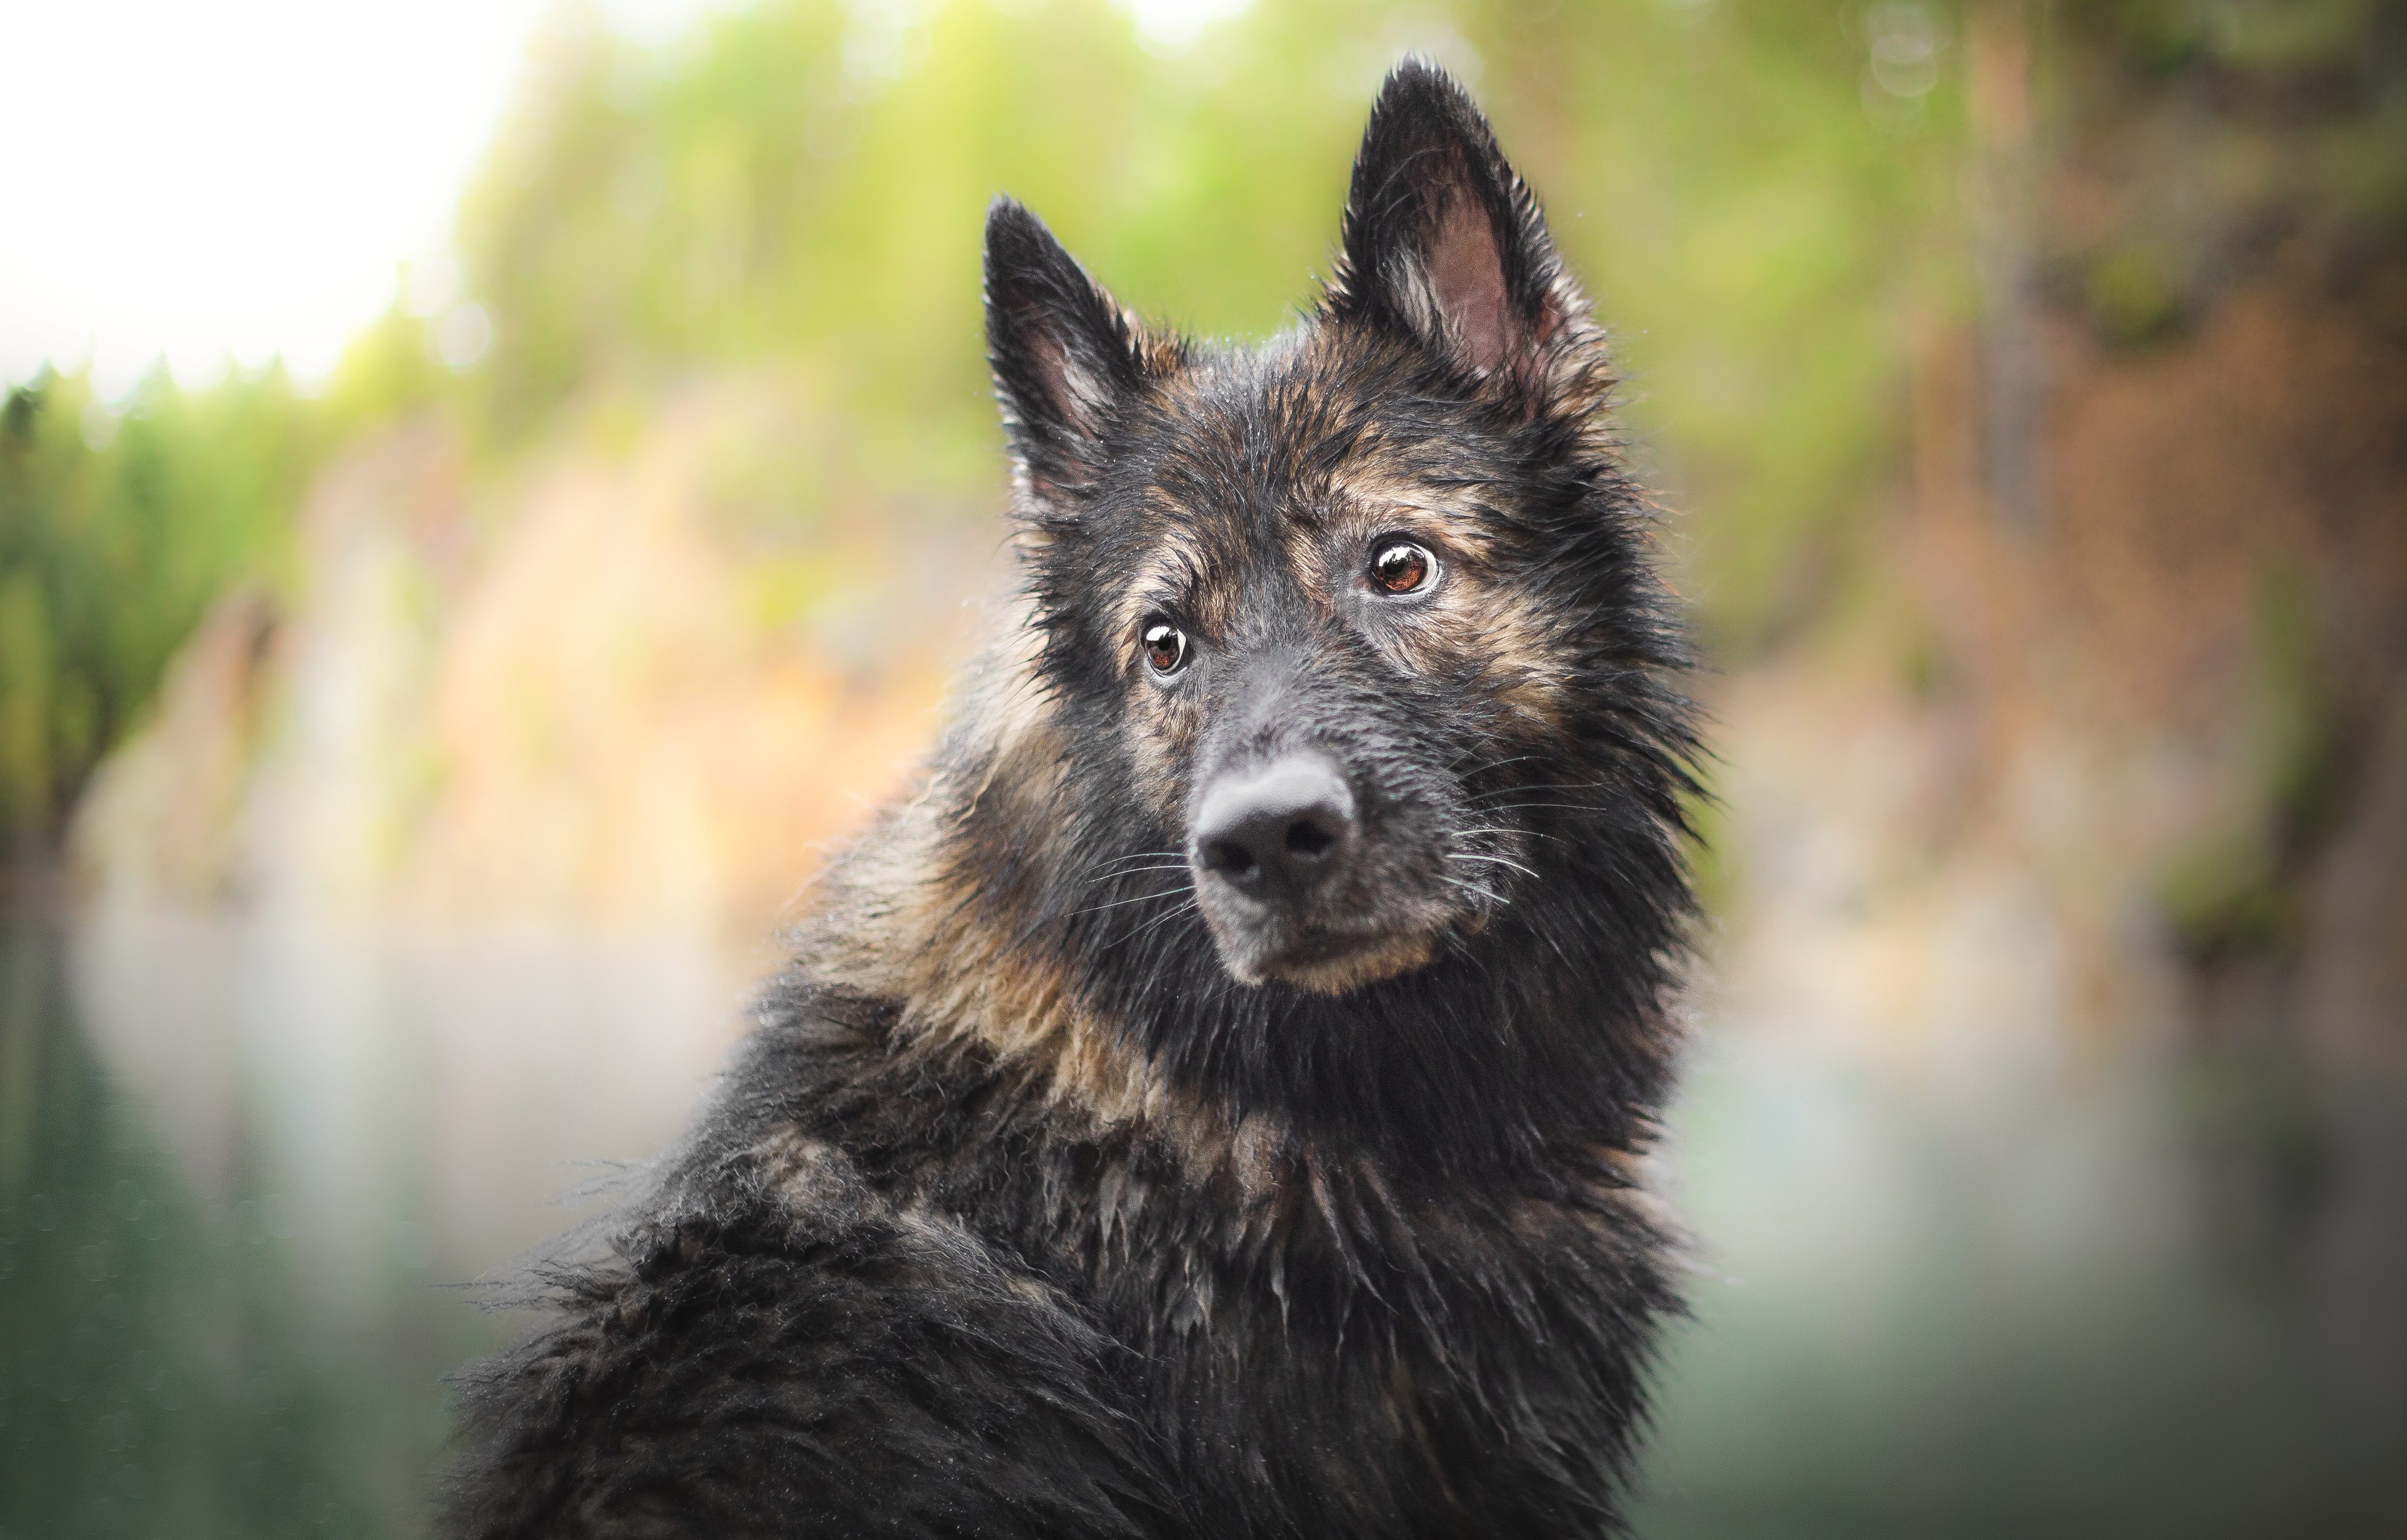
{"points": [[1277, 832]]}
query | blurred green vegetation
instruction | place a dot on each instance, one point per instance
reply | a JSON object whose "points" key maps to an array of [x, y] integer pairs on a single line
{"points": [[2289, 117], [1768, 220], [118, 523], [2239, 894], [797, 181]]}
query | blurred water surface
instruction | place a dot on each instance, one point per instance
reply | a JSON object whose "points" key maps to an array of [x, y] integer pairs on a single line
{"points": [[241, 1164], [2078, 1292]]}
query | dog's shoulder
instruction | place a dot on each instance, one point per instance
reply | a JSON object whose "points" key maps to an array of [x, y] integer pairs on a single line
{"points": [[770, 1343]]}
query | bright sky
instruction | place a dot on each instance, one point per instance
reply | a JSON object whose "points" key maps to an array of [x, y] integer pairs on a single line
{"points": [[227, 180], [210, 181]]}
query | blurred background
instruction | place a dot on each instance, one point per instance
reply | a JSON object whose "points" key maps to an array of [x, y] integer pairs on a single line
{"points": [[567, 479]]}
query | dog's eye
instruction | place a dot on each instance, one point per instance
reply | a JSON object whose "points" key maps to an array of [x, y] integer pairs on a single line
{"points": [[1403, 568], [1165, 647]]}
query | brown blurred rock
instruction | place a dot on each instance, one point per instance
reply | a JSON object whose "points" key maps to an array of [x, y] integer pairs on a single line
{"points": [[554, 692], [157, 826]]}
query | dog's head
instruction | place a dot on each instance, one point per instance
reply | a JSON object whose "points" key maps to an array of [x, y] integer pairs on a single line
{"points": [[1360, 622]]}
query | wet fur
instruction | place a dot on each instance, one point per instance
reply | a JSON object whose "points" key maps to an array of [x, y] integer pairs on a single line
{"points": [[1018, 1214]]}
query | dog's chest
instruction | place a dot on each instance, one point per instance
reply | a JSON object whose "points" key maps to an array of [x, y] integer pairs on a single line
{"points": [[1330, 1349]]}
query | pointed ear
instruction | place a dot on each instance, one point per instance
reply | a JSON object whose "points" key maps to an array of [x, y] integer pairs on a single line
{"points": [[1442, 245], [1066, 359]]}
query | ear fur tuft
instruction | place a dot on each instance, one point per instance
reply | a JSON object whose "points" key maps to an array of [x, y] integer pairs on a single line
{"points": [[1067, 360]]}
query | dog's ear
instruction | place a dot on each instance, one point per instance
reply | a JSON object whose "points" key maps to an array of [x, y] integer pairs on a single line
{"points": [[1443, 244], [1066, 359]]}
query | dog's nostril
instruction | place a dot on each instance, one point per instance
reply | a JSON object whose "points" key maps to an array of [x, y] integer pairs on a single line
{"points": [[1308, 839], [1277, 832], [1229, 858]]}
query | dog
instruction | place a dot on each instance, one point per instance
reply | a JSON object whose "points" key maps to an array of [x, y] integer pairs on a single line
{"points": [[1216, 1100]]}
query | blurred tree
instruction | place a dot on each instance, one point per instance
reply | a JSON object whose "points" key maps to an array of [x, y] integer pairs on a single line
{"points": [[801, 179], [1764, 196], [118, 525]]}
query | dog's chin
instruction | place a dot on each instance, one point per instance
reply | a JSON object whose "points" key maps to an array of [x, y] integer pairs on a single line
{"points": [[1320, 962]]}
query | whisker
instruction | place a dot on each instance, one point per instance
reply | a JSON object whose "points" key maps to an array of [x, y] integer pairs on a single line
{"points": [[1475, 888], [1549, 786], [1525, 786], [1465, 855], [1138, 899], [1134, 871], [1190, 905], [1491, 797], [1539, 833], [1142, 855]]}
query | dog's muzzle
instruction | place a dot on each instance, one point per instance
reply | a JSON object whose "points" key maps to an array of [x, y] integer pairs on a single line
{"points": [[1278, 834]]}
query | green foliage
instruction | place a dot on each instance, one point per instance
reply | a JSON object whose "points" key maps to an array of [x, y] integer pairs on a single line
{"points": [[1765, 216], [2135, 295], [116, 528], [2287, 115], [801, 183], [2239, 894], [805, 182]]}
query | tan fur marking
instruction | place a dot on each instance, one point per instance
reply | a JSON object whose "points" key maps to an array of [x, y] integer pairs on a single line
{"points": [[1161, 725], [1390, 957], [1017, 712], [1163, 733], [809, 1174], [1472, 617], [1203, 599], [901, 927]]}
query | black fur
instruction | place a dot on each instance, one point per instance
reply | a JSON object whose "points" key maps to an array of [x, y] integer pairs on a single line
{"points": [[1020, 1214]]}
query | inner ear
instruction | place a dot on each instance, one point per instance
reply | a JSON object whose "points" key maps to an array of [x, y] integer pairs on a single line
{"points": [[1466, 280], [1060, 389]]}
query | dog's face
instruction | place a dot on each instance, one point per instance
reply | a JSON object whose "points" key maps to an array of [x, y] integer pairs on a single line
{"points": [[1347, 613]]}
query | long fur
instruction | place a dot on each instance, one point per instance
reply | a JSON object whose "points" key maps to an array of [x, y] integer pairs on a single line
{"points": [[1018, 1214]]}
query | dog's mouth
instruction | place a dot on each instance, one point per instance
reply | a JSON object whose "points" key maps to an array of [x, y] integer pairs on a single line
{"points": [[1327, 963], [1308, 882], [1265, 947]]}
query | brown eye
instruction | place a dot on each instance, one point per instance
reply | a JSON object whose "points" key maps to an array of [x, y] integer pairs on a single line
{"points": [[1165, 648], [1403, 568]]}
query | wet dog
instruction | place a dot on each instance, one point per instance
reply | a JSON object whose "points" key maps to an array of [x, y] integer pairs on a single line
{"points": [[1212, 1102]]}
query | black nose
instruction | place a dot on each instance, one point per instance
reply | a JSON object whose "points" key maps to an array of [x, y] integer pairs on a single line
{"points": [[1275, 832]]}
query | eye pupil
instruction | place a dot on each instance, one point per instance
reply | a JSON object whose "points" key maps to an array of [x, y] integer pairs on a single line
{"points": [[1403, 568], [1165, 648]]}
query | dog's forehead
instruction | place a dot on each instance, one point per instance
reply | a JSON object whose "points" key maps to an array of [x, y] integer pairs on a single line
{"points": [[1246, 454], [1252, 444], [1261, 462]]}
